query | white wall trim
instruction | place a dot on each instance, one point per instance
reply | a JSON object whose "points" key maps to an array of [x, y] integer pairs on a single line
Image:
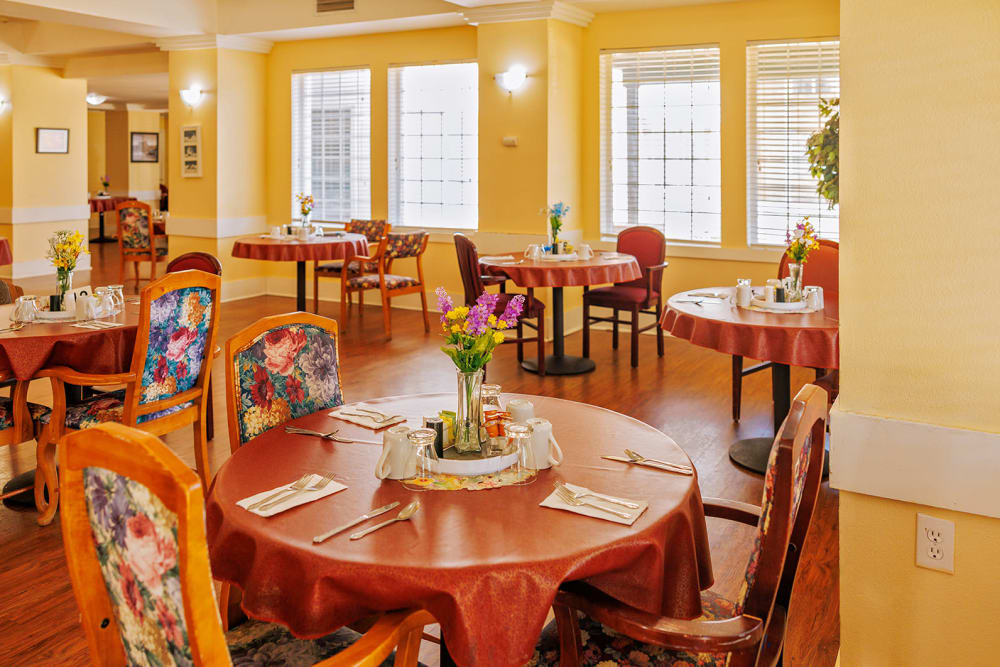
{"points": [[21, 215], [31, 268], [216, 228], [927, 464], [146, 195], [763, 255], [528, 11], [235, 42]]}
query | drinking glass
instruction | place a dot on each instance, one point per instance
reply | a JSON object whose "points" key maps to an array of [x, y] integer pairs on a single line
{"points": [[519, 440], [117, 297], [422, 441], [26, 309]]}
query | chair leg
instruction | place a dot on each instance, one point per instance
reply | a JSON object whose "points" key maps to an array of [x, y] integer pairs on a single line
{"points": [[46, 477], [423, 303], [737, 386], [152, 268], [520, 345], [659, 329], [635, 336], [209, 411], [201, 451], [387, 316], [586, 329], [135, 265], [345, 302], [569, 636], [614, 330], [315, 291], [541, 344], [408, 650]]}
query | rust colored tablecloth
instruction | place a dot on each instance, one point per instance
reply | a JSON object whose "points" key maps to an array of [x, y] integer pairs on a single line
{"points": [[487, 564], [598, 270], [5, 255], [320, 248], [43, 344], [102, 204], [810, 339]]}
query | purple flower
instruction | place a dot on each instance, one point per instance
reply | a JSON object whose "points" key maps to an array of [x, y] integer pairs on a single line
{"points": [[513, 310], [488, 301], [477, 319], [444, 302]]}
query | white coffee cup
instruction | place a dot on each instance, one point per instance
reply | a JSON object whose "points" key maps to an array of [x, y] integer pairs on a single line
{"points": [[521, 410], [276, 231], [585, 251], [547, 451], [399, 458]]}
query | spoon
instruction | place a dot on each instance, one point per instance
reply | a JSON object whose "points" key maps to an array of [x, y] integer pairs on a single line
{"points": [[403, 515]]}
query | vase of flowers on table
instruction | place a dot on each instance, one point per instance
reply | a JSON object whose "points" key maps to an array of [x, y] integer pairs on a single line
{"points": [[306, 204], [65, 248], [472, 334], [555, 215], [105, 183], [799, 243]]}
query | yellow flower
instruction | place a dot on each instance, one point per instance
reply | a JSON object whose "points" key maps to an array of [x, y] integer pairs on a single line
{"points": [[498, 338], [492, 320], [452, 314], [501, 324], [462, 311], [465, 326], [455, 328]]}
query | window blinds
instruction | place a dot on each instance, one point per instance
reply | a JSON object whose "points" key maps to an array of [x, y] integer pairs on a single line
{"points": [[331, 142], [434, 146], [785, 82], [660, 142]]}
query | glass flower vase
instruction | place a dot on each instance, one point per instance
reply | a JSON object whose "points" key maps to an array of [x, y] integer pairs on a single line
{"points": [[306, 218], [795, 275], [64, 283], [469, 416]]}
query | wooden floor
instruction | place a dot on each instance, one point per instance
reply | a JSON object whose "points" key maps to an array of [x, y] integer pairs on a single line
{"points": [[685, 394]]}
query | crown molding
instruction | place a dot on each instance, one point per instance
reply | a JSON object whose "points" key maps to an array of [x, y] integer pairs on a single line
{"points": [[234, 42], [17, 58], [528, 11]]}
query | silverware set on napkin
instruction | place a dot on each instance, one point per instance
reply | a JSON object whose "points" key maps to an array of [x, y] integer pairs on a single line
{"points": [[578, 498], [332, 435], [374, 415], [636, 458], [97, 324], [296, 488], [14, 326]]}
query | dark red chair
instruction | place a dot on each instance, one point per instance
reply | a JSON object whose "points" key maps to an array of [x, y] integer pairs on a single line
{"points": [[822, 269], [642, 295], [209, 263], [475, 284]]}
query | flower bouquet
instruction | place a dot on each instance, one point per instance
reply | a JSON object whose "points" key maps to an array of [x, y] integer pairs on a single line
{"points": [[105, 183], [306, 204], [799, 243], [471, 335], [65, 248], [555, 214]]}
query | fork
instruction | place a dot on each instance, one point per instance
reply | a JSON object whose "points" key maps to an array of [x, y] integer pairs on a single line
{"points": [[600, 496], [377, 420], [639, 458], [300, 483], [567, 497], [318, 486], [332, 435]]}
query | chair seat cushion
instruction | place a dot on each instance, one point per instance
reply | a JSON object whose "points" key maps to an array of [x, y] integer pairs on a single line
{"points": [[603, 646], [107, 407], [263, 644], [617, 295], [371, 280], [335, 268], [39, 413]]}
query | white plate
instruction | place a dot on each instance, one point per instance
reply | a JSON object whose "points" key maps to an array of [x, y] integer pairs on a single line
{"points": [[472, 467], [560, 258], [58, 316], [789, 306]]}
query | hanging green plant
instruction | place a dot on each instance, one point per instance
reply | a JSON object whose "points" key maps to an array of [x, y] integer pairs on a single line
{"points": [[824, 152]]}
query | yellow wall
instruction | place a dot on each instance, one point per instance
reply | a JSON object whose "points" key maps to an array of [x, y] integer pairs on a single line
{"points": [[96, 150], [116, 152], [144, 177], [194, 197], [918, 212], [565, 116], [241, 106]]}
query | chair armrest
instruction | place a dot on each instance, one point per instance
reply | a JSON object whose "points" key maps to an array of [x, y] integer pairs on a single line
{"points": [[651, 271], [723, 636], [388, 632], [732, 510], [67, 374]]}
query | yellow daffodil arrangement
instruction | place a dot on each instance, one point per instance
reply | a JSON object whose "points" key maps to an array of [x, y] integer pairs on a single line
{"points": [[65, 248], [802, 241], [473, 333]]}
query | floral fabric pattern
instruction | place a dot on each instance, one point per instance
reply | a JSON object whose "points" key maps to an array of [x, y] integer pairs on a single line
{"points": [[136, 541], [39, 413], [178, 333], [371, 229], [371, 281], [135, 228], [254, 644], [106, 407], [285, 373], [405, 245]]}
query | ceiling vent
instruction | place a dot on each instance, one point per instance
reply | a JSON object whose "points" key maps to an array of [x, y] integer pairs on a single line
{"points": [[325, 6]]}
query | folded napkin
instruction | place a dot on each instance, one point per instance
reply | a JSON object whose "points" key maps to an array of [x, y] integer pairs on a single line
{"points": [[97, 327], [349, 413], [555, 502], [708, 295], [782, 311], [295, 501], [497, 258]]}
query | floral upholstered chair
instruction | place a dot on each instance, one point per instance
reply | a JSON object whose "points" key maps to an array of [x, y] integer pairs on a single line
{"points": [[166, 385], [134, 527], [392, 247], [280, 368], [373, 231], [138, 240], [594, 628]]}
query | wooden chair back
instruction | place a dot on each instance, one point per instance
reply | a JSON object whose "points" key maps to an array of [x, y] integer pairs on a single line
{"points": [[468, 267], [201, 261], [136, 232], [649, 247], [161, 601], [822, 268], [9, 292], [269, 366], [405, 245]]}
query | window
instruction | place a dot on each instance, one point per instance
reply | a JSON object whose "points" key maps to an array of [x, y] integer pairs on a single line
{"points": [[785, 82], [660, 151], [331, 142], [434, 146]]}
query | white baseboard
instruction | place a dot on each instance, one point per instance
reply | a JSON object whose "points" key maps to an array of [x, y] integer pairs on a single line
{"points": [[247, 288], [31, 268], [21, 215], [216, 228], [927, 464]]}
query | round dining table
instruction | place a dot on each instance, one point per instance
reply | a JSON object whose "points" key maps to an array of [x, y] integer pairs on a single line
{"points": [[486, 563], [336, 245], [810, 340], [100, 205], [600, 269]]}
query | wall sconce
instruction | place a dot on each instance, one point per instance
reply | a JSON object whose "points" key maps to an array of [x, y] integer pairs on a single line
{"points": [[3, 104], [95, 98], [191, 96], [512, 79]]}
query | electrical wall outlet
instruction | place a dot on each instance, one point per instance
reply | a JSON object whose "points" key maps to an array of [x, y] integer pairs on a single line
{"points": [[935, 543]]}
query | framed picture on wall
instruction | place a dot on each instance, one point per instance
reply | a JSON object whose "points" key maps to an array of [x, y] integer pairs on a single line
{"points": [[51, 140], [145, 146], [191, 151]]}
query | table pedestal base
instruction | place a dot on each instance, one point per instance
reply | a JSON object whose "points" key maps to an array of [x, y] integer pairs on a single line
{"points": [[24, 500], [561, 365], [752, 454]]}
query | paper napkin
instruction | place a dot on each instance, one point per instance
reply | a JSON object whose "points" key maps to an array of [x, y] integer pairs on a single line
{"points": [[295, 501], [555, 502], [349, 413], [497, 258]]}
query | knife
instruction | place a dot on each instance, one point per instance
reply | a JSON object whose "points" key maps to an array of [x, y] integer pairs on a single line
{"points": [[364, 517], [670, 467]]}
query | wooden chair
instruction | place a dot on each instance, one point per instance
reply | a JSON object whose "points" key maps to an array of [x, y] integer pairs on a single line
{"points": [[166, 607], [209, 263], [391, 248], [20, 421], [9, 292], [642, 295], [751, 630], [822, 269], [165, 387], [138, 240], [475, 284], [374, 231]]}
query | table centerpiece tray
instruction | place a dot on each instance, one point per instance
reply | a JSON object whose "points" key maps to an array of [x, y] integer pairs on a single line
{"points": [[471, 464], [786, 306], [568, 257]]}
